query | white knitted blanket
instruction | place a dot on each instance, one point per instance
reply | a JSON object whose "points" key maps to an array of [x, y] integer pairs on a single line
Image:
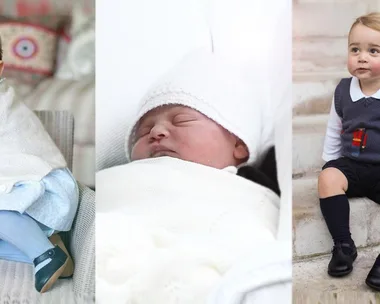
{"points": [[27, 152], [168, 230]]}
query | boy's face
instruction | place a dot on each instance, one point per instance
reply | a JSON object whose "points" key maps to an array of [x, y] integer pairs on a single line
{"points": [[185, 133], [364, 53]]}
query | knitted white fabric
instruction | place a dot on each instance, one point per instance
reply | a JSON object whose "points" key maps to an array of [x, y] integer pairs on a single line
{"points": [[222, 91], [168, 229], [27, 152], [264, 276]]}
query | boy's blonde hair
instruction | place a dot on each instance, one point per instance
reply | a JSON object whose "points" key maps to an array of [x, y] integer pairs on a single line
{"points": [[371, 20]]}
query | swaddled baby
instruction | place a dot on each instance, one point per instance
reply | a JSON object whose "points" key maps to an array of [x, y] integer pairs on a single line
{"points": [[38, 194], [181, 211], [206, 111]]}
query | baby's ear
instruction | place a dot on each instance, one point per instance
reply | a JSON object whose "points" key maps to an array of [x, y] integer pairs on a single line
{"points": [[241, 150]]}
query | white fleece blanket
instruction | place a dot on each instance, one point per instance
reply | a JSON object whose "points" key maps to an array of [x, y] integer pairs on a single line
{"points": [[168, 230], [27, 152]]}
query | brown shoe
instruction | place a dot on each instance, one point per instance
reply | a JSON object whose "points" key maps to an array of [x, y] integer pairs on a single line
{"points": [[55, 239]]}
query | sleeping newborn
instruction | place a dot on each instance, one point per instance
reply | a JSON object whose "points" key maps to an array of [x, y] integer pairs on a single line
{"points": [[205, 110], [186, 216], [182, 132]]}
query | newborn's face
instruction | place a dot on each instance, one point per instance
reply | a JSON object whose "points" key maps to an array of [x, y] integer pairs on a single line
{"points": [[184, 133]]}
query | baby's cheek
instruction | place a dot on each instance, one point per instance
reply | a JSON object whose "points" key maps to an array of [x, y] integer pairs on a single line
{"points": [[376, 66], [184, 145], [350, 63], [138, 151], [191, 146]]}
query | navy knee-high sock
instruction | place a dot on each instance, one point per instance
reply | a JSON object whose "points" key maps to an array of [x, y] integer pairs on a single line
{"points": [[336, 212]]}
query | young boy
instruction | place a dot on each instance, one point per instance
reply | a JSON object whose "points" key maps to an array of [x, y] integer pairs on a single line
{"points": [[352, 145], [38, 194]]}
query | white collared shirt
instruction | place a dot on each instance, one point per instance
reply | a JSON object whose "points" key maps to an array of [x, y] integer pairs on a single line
{"points": [[333, 146]]}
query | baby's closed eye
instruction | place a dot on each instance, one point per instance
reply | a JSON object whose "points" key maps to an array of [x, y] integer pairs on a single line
{"points": [[143, 130], [183, 118]]}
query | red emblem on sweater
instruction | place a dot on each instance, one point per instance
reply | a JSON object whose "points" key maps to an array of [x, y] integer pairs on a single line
{"points": [[359, 138]]}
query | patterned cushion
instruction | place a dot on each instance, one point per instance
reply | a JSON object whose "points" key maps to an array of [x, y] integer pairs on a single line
{"points": [[30, 46], [73, 11]]}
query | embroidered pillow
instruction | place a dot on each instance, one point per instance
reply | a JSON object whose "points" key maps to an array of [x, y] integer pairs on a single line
{"points": [[30, 46]]}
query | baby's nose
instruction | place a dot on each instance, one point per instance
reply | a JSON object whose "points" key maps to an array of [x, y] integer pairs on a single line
{"points": [[159, 131], [362, 57]]}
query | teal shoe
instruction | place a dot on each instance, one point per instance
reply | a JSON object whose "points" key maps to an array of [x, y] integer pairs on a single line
{"points": [[47, 275], [68, 272]]}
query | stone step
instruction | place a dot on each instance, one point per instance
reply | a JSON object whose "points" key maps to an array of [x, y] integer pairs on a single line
{"points": [[313, 97], [327, 18], [312, 284], [308, 138], [310, 234], [319, 54], [319, 76]]}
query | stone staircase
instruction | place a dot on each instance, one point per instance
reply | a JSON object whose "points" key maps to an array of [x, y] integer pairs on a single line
{"points": [[319, 54]]}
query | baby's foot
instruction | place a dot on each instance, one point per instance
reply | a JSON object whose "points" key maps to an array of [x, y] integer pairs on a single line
{"points": [[48, 267], [55, 239]]}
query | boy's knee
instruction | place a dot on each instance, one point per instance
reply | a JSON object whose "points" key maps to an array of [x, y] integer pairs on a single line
{"points": [[331, 181], [325, 177]]}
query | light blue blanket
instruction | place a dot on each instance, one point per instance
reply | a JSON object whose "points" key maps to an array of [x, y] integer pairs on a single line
{"points": [[52, 202]]}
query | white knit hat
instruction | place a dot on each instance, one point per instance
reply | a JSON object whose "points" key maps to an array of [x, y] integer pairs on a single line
{"points": [[219, 89]]}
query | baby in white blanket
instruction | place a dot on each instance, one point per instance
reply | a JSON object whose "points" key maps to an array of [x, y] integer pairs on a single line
{"points": [[184, 217], [38, 194]]}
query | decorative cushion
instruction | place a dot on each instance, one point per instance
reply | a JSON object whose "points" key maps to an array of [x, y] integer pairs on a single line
{"points": [[30, 46], [78, 11]]}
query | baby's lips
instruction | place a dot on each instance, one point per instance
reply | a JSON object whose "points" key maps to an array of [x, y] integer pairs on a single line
{"points": [[156, 148]]}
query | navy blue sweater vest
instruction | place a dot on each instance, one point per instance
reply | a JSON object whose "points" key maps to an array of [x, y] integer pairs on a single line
{"points": [[360, 124]]}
